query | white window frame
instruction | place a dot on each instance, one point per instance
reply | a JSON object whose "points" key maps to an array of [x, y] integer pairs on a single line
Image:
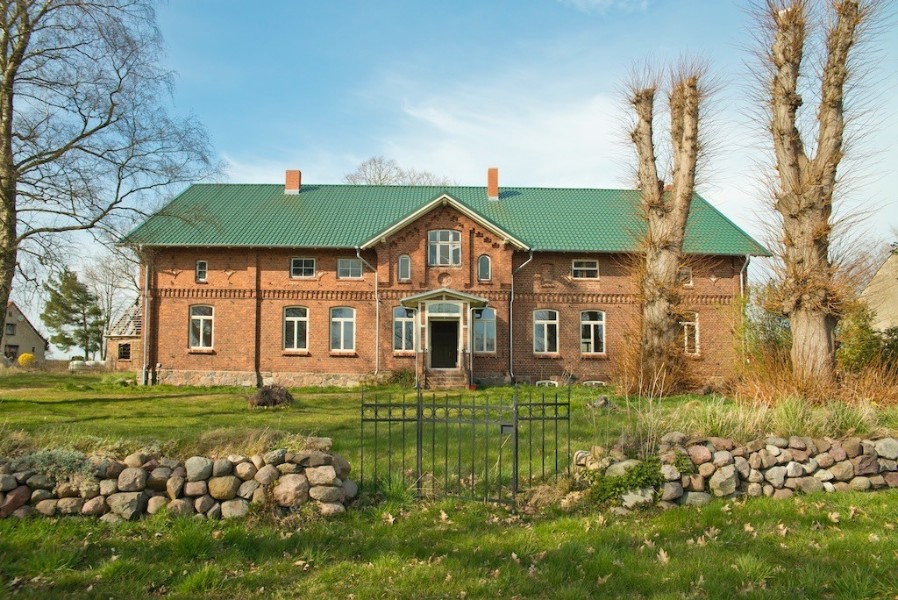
{"points": [[404, 258], [684, 277], [293, 323], [591, 339], [204, 269], [488, 327], [545, 324], [452, 246], [405, 321], [489, 268], [349, 265], [341, 323], [686, 326], [202, 320], [580, 264], [302, 259]]}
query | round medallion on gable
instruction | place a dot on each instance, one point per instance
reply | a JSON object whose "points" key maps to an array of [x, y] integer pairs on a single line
{"points": [[445, 279]]}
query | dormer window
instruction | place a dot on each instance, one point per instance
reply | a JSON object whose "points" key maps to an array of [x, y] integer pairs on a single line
{"points": [[444, 248]]}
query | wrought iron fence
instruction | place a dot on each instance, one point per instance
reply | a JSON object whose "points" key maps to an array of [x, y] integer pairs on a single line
{"points": [[468, 445]]}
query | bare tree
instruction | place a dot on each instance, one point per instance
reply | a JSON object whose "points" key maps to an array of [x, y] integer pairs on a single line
{"points": [[112, 278], [665, 210], [378, 170], [807, 159], [84, 131]]}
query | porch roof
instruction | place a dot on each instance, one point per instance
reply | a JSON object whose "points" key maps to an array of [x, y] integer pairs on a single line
{"points": [[443, 293]]}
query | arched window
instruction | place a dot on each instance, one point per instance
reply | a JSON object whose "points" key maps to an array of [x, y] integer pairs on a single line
{"points": [[689, 333], [403, 329], [592, 332], [343, 329], [545, 331], [296, 328], [201, 321], [444, 248], [484, 268], [485, 330], [404, 268]]}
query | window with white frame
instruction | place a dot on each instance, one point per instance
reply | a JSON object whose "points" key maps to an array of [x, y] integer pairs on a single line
{"points": [[484, 268], [404, 268], [689, 333], [485, 330], [444, 248], [403, 329], [301, 268], [684, 276], [343, 329], [349, 268], [592, 332], [296, 328], [202, 271], [545, 331], [201, 323], [585, 269]]}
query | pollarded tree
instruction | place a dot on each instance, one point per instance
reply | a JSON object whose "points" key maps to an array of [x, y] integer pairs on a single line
{"points": [[807, 159], [73, 314], [665, 209]]}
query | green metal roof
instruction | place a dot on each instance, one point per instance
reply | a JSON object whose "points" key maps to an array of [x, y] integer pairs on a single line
{"points": [[346, 216]]}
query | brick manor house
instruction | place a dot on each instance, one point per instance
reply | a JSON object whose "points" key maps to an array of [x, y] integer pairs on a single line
{"points": [[334, 284]]}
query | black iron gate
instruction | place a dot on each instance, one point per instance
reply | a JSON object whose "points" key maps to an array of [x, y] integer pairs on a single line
{"points": [[470, 445]]}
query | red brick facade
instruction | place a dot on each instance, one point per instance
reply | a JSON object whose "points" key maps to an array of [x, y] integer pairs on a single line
{"points": [[248, 290]]}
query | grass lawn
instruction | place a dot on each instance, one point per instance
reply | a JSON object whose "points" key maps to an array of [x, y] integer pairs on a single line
{"points": [[837, 546]]}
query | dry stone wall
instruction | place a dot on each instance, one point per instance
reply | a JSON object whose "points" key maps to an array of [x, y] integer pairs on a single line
{"points": [[199, 487], [777, 467]]}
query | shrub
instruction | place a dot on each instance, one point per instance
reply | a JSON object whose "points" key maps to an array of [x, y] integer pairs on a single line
{"points": [[27, 360], [271, 395], [402, 377], [646, 474], [56, 463], [859, 344]]}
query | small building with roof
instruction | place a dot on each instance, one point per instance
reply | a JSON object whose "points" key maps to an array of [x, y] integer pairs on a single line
{"points": [[124, 350], [20, 337]]}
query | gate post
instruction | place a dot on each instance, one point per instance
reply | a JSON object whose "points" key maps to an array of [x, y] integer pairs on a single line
{"points": [[419, 441], [514, 464]]}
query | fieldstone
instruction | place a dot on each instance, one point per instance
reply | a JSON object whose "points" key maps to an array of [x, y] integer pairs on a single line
{"points": [[809, 485], [169, 463], [838, 453], [755, 490], [204, 503], [199, 468], [40, 495], [852, 447], [811, 466], [70, 506], [267, 474], [319, 459], [694, 483], [754, 446], [618, 469], [674, 438], [720, 443], [767, 459], [275, 457], [784, 457], [755, 476], [128, 505], [174, 487], [234, 509], [196, 488], [822, 445], [179, 471], [289, 469], [886, 465], [331, 509], [350, 490], [324, 493], [768, 490], [257, 461], [868, 447], [783, 494], [865, 464], [823, 475], [670, 473], [842, 471], [776, 476], [706, 469], [791, 483], [222, 467], [671, 491], [89, 488], [860, 484], [8, 483], [326, 475], [40, 481], [259, 496], [825, 460], [46, 507], [891, 479], [247, 489], [214, 512], [158, 479], [695, 499], [224, 488], [132, 480], [111, 518], [319, 443], [799, 455], [665, 505], [155, 504], [292, 490], [95, 506], [828, 487], [724, 481], [742, 467], [793, 469], [182, 507], [773, 450], [341, 465], [245, 470], [878, 482], [699, 454], [754, 460], [66, 489], [15, 498], [887, 448], [842, 486], [722, 458], [137, 459], [778, 442], [797, 443], [108, 487], [22, 476]]}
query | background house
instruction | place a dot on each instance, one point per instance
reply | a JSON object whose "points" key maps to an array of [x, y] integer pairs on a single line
{"points": [[124, 352], [881, 294], [20, 336]]}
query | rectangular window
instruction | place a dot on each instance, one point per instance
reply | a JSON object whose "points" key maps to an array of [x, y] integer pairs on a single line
{"points": [[403, 329], [342, 329], [444, 248], [296, 328], [689, 333], [201, 320], [592, 332], [302, 268], [485, 330], [10, 329], [11, 352], [124, 351], [585, 269], [202, 271], [404, 268], [545, 332], [349, 268]]}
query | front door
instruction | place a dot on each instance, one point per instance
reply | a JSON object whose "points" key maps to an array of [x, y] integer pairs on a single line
{"points": [[443, 344]]}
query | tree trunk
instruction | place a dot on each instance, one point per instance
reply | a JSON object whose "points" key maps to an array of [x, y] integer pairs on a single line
{"points": [[812, 345]]}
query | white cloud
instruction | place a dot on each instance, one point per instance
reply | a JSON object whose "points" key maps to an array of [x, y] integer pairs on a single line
{"points": [[603, 6]]}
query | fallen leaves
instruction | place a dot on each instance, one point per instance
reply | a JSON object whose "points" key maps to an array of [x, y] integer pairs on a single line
{"points": [[663, 557]]}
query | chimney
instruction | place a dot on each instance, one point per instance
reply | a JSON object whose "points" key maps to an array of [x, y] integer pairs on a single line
{"points": [[492, 183], [293, 181]]}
